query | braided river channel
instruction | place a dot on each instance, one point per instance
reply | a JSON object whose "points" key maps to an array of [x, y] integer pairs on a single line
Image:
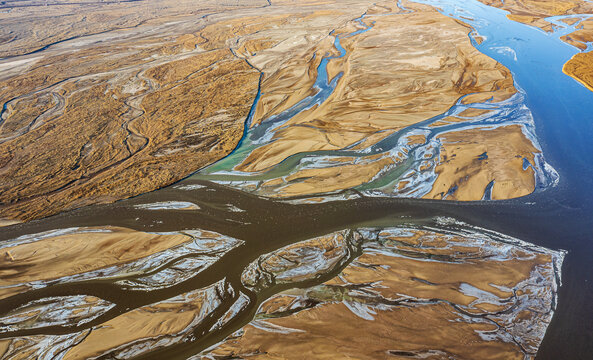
{"points": [[215, 228]]}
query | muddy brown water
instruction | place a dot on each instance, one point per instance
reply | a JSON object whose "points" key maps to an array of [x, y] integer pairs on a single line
{"points": [[266, 225]]}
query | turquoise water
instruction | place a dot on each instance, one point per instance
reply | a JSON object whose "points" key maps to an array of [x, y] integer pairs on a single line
{"points": [[417, 167], [557, 112]]}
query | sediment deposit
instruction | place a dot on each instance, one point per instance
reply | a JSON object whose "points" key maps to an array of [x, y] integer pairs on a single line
{"points": [[354, 293], [535, 12], [296, 102], [580, 67], [411, 294], [106, 114], [362, 118]]}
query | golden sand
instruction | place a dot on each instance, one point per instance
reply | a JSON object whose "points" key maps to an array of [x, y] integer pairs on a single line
{"points": [[136, 102], [580, 67], [407, 304], [389, 82], [80, 251], [460, 165]]}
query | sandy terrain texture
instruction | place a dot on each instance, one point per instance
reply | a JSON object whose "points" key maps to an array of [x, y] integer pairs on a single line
{"points": [[398, 68], [580, 67], [129, 102], [32, 25], [366, 293], [411, 294], [108, 113]]}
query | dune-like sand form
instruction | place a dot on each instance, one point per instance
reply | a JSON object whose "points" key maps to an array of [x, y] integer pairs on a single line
{"points": [[365, 293], [405, 69], [394, 69], [580, 67], [126, 102], [76, 254], [411, 294], [122, 105]]}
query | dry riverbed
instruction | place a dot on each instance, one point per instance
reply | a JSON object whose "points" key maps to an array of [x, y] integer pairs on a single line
{"points": [[131, 107]]}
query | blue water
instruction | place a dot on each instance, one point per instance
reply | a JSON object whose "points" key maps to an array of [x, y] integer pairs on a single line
{"points": [[561, 216], [562, 107], [511, 111]]}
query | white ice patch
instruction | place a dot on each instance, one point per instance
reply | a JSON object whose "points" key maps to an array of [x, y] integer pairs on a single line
{"points": [[169, 205]]}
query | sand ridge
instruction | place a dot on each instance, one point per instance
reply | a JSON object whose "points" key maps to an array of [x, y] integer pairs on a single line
{"points": [[411, 293]]}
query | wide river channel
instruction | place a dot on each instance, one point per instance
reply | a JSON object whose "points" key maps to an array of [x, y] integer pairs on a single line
{"points": [[558, 216]]}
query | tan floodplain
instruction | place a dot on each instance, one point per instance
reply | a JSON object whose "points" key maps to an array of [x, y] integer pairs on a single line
{"points": [[132, 333], [581, 68], [107, 100], [124, 110], [389, 82], [124, 105], [505, 149], [401, 292], [58, 254], [412, 294], [80, 251], [408, 67], [534, 12]]}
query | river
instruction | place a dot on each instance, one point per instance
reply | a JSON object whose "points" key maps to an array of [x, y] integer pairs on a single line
{"points": [[557, 216]]}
